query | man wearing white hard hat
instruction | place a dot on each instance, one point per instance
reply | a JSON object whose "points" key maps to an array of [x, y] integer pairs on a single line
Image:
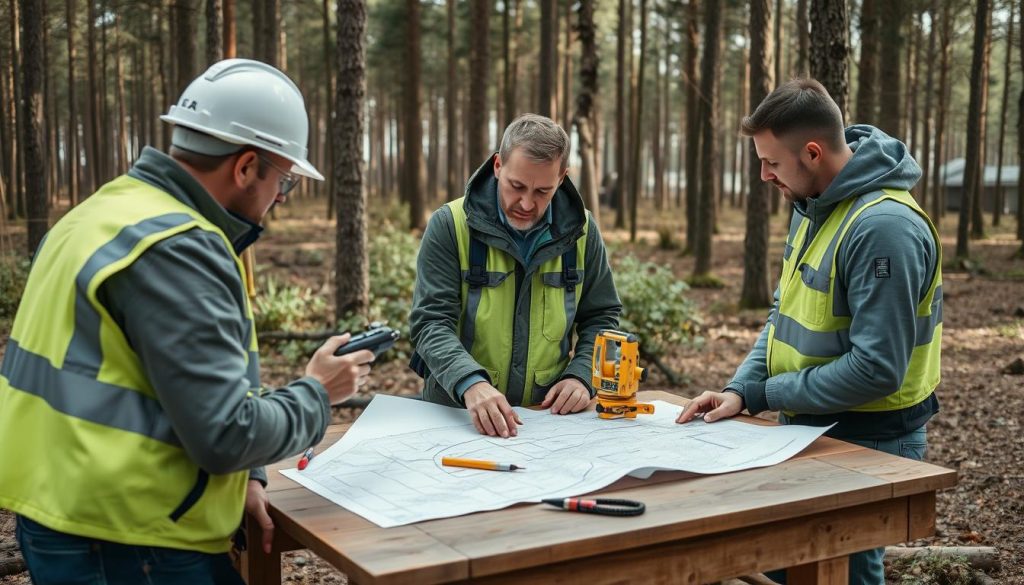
{"points": [[133, 424]]}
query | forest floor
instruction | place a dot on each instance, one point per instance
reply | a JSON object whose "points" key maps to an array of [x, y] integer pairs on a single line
{"points": [[978, 431]]}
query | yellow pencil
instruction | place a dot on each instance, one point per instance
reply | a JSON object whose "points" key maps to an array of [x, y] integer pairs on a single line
{"points": [[478, 464]]}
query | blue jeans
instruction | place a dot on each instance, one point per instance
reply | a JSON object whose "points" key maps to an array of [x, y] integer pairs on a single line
{"points": [[866, 567], [56, 558]]}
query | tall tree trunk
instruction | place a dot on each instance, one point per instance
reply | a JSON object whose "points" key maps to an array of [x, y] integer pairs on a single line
{"points": [[585, 114], [8, 112], [17, 194], [92, 118], [890, 116], [803, 31], [913, 90], [434, 143], [693, 129], [329, 107], [185, 56], [929, 128], [977, 218], [756, 290], [352, 279], [32, 112], [230, 36], [412, 185], [829, 48], [997, 205], [974, 122], [734, 140], [450, 100], [621, 109], [567, 113], [479, 81], [1020, 145], [637, 124], [780, 32], [259, 41], [214, 31], [272, 33], [546, 67], [657, 122], [867, 88], [709, 122], [71, 145], [122, 114], [938, 179]]}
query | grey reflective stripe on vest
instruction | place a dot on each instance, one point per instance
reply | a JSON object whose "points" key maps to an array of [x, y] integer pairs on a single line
{"points": [[83, 354], [468, 333], [818, 279], [557, 279], [824, 344], [86, 398], [252, 369]]}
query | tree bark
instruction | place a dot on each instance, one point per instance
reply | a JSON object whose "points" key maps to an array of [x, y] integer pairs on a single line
{"points": [[938, 180], [214, 31], [890, 114], [999, 202], [977, 218], [709, 122], [546, 67], [479, 80], [332, 71], [867, 89], [412, 185], [351, 282], [36, 193], [185, 56], [974, 122], [803, 31], [693, 131], [638, 117], [230, 35], [122, 115], [1020, 143], [780, 32], [92, 158], [756, 291], [829, 48], [71, 142], [450, 101], [585, 114], [272, 32], [621, 109], [926, 122]]}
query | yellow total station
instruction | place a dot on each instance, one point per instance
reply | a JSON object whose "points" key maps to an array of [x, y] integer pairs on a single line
{"points": [[617, 375]]}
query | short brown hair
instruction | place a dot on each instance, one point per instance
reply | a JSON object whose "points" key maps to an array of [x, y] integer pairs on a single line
{"points": [[799, 105]]}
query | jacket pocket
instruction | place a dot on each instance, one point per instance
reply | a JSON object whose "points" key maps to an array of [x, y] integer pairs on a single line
{"points": [[543, 380], [554, 308], [192, 498]]}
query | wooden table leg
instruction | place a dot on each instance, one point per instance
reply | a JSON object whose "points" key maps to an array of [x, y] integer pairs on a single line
{"points": [[827, 572], [258, 567]]}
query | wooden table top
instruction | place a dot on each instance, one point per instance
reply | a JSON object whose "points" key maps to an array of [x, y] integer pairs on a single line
{"points": [[828, 475]]}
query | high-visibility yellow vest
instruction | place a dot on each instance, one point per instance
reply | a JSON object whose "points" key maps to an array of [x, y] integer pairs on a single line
{"points": [[806, 332], [487, 319], [86, 447]]}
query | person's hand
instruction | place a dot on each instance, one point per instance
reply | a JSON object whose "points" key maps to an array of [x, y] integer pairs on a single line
{"points": [[567, 396], [715, 405], [490, 411], [256, 505], [341, 375]]}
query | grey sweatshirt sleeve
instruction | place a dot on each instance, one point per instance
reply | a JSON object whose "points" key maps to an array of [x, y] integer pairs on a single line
{"points": [[883, 304], [179, 307], [437, 304], [599, 306], [753, 371]]}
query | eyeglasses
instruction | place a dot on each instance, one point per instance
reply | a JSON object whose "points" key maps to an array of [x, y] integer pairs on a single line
{"points": [[288, 181]]}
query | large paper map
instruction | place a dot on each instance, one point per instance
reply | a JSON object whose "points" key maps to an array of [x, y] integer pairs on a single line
{"points": [[387, 467]]}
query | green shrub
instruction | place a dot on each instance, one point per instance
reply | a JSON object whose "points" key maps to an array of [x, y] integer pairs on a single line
{"points": [[13, 274], [283, 307], [655, 306]]}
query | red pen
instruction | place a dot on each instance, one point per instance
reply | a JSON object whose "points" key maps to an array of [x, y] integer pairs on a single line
{"points": [[306, 458]]}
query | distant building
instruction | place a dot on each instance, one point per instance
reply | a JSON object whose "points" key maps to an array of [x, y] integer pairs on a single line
{"points": [[953, 172]]}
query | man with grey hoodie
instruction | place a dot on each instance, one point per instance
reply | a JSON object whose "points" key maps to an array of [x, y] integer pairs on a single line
{"points": [[853, 338]]}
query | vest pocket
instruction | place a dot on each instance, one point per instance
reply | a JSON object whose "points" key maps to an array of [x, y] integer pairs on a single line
{"points": [[192, 498], [543, 380], [554, 308]]}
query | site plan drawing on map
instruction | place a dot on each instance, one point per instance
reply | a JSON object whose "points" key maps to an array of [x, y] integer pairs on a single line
{"points": [[387, 467]]}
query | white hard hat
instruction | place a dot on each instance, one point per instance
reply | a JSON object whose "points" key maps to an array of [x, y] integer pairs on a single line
{"points": [[241, 101]]}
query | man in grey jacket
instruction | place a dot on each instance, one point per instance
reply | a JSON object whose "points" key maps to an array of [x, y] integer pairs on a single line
{"points": [[854, 335], [133, 359], [506, 276]]}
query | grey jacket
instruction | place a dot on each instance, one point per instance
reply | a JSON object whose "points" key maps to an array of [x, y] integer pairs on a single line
{"points": [[180, 305], [437, 302], [883, 310]]}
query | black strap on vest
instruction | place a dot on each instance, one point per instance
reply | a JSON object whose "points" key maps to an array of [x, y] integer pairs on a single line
{"points": [[570, 278], [477, 276]]}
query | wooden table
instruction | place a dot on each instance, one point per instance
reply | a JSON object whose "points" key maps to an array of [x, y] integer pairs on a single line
{"points": [[806, 514]]}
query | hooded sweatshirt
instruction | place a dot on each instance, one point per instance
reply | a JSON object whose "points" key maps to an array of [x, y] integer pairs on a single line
{"points": [[883, 310]]}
